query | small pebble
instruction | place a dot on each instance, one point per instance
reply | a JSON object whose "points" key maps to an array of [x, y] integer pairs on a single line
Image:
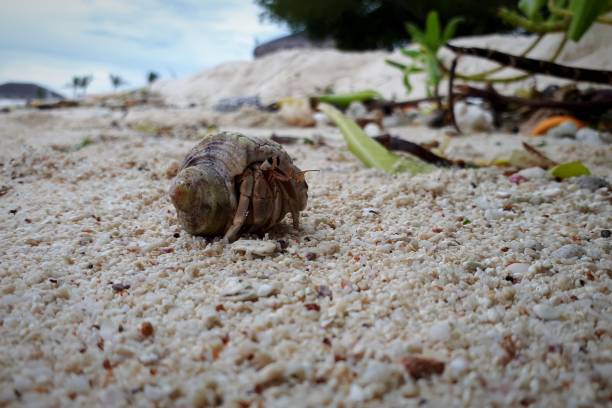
{"points": [[550, 193], [440, 331], [473, 117], [266, 290], [533, 244], [320, 119], [324, 291], [77, 383], [605, 233], [328, 248], [356, 393], [146, 329], [589, 135], [154, 393], [254, 247], [457, 367], [564, 130], [372, 129], [472, 266], [356, 110], [238, 289], [591, 183], [148, 358], [533, 173], [155, 245], [503, 194], [390, 121], [518, 269], [546, 312], [493, 316], [516, 178], [311, 256], [422, 367], [369, 211], [604, 369], [568, 251], [120, 287]]}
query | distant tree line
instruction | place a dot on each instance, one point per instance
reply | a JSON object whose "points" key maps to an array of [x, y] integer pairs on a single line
{"points": [[372, 24], [82, 82]]}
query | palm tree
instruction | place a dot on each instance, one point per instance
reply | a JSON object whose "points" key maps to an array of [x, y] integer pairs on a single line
{"points": [[84, 82], [75, 84], [116, 81], [152, 76]]}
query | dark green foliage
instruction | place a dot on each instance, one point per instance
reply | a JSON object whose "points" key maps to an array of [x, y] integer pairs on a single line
{"points": [[152, 76], [584, 15], [116, 81], [369, 24], [80, 82], [575, 17]]}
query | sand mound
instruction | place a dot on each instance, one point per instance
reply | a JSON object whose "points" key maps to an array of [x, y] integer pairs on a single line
{"points": [[301, 73]]}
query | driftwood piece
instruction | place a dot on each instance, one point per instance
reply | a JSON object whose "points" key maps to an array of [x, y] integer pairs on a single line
{"points": [[451, 96], [388, 106], [401, 145], [547, 162], [537, 66], [600, 101]]}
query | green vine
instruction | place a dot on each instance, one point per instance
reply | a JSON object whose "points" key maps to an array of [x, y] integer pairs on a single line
{"points": [[571, 17]]}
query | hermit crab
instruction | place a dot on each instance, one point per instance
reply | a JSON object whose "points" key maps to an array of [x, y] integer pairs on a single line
{"points": [[230, 183]]}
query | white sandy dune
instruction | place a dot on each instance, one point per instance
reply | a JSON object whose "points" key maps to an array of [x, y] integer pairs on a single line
{"points": [[304, 73], [454, 288]]}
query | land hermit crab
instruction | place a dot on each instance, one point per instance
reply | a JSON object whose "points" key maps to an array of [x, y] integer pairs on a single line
{"points": [[230, 183]]}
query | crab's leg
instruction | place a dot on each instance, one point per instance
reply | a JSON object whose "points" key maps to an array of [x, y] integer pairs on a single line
{"points": [[289, 196], [277, 211], [242, 211], [295, 215], [262, 201]]}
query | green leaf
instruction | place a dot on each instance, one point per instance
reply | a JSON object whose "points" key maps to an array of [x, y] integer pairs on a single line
{"points": [[450, 29], [585, 12], [369, 151], [432, 31], [412, 69], [411, 53], [396, 64], [515, 19], [344, 100], [434, 75], [83, 143], [531, 8], [416, 34], [571, 169], [406, 82]]}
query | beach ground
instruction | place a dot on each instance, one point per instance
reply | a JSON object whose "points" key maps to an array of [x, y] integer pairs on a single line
{"points": [[104, 300]]}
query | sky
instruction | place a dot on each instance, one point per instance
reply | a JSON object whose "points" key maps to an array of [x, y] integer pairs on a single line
{"points": [[50, 41]]}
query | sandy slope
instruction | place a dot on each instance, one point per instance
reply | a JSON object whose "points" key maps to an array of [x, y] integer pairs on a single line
{"points": [[384, 269], [304, 73]]}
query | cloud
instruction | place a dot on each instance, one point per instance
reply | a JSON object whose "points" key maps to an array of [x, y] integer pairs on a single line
{"points": [[125, 37], [159, 42]]}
